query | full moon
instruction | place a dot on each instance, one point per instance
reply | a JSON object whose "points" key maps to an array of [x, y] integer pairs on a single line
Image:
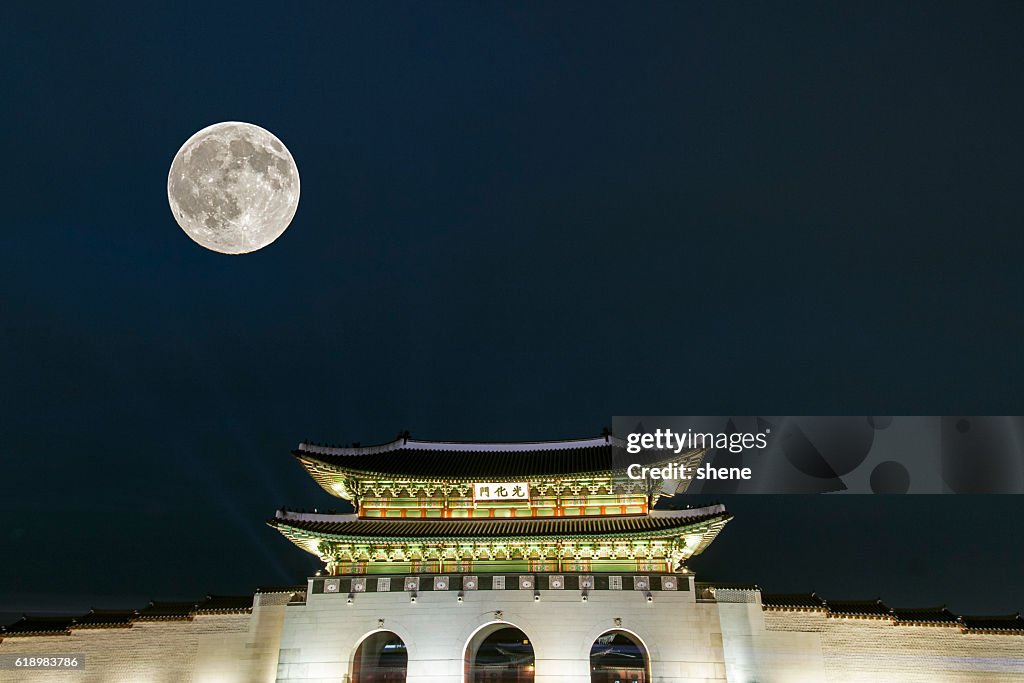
{"points": [[233, 187]]}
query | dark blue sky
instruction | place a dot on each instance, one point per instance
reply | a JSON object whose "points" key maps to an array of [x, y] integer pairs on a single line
{"points": [[517, 219]]}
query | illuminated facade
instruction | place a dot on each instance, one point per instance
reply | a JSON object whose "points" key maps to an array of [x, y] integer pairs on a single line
{"points": [[512, 562], [461, 527], [426, 507]]}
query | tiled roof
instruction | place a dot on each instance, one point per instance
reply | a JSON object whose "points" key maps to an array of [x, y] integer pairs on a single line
{"points": [[351, 526], [224, 604], [923, 615], [123, 618], [792, 600], [729, 586], [43, 625], [858, 608], [1008, 622], [300, 588], [166, 611], [466, 461], [876, 609], [105, 618]]}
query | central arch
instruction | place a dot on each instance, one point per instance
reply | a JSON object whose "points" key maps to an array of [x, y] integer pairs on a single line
{"points": [[619, 657], [499, 653], [380, 658]]}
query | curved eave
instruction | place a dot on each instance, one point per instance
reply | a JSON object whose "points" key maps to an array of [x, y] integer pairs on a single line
{"points": [[715, 528], [707, 527], [331, 481], [311, 461], [622, 536], [331, 476]]}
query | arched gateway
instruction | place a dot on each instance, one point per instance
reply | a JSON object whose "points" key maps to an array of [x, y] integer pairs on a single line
{"points": [[499, 653], [618, 657], [380, 658]]}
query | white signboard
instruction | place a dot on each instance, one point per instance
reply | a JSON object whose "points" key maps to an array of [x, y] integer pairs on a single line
{"points": [[508, 490]]}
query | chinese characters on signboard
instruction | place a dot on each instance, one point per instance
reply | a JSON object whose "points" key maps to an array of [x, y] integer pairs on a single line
{"points": [[509, 490]]}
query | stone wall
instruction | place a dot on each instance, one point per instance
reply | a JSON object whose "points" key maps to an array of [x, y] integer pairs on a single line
{"points": [[784, 646], [228, 648], [682, 636], [689, 640]]}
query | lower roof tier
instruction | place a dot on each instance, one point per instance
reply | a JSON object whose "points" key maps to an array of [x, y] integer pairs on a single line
{"points": [[678, 534], [352, 526]]}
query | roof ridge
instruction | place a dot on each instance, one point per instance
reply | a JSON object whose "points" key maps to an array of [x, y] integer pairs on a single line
{"points": [[320, 516], [689, 512], [408, 443]]}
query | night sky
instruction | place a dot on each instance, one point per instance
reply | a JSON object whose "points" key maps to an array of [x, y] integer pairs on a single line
{"points": [[517, 220]]}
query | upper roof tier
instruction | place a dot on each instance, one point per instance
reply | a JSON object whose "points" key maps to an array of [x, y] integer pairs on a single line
{"points": [[461, 461]]}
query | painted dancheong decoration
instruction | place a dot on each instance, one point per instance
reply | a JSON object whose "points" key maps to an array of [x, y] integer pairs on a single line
{"points": [[455, 507]]}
